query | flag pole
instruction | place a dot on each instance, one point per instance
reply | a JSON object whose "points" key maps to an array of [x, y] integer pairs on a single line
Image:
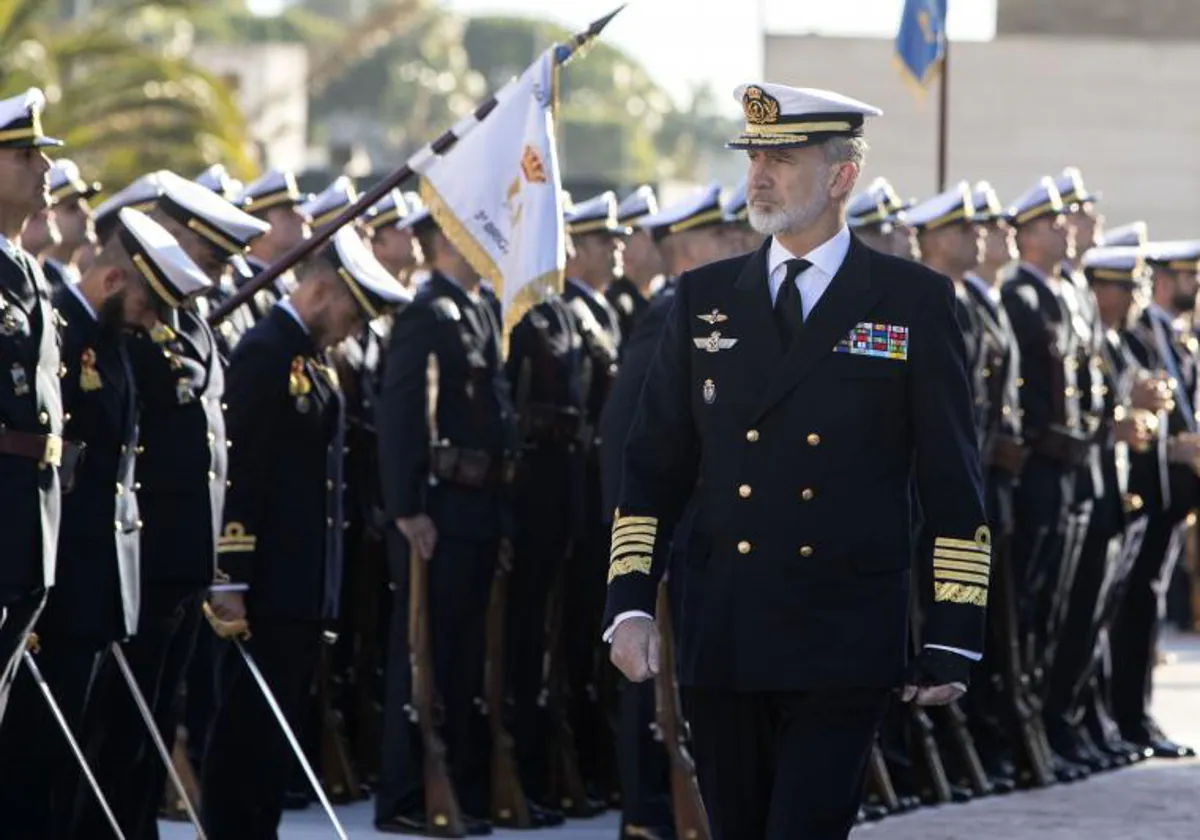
{"points": [[440, 146], [943, 108]]}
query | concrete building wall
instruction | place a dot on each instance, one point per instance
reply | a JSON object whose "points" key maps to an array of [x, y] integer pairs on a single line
{"points": [[1143, 19], [1122, 111]]}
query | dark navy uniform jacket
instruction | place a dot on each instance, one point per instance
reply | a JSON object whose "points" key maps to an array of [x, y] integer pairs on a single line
{"points": [[181, 471], [629, 305], [30, 402], [284, 409], [798, 469], [97, 591], [473, 411], [598, 324]]}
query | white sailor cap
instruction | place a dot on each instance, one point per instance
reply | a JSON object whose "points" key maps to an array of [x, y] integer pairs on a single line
{"points": [[160, 259], [142, 195], [273, 188], [1178, 254], [956, 204], [988, 207], [227, 228], [21, 121], [388, 210], [596, 215], [735, 206], [641, 202], [372, 286], [1071, 189], [1124, 265], [332, 200], [1134, 233], [700, 209], [878, 204], [782, 117], [1042, 199], [66, 182], [218, 179]]}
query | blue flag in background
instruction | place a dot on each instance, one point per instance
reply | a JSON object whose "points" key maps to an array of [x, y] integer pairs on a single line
{"points": [[921, 41]]}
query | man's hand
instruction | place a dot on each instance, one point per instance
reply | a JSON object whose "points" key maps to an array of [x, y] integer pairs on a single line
{"points": [[1150, 393], [420, 532], [936, 677], [933, 695], [226, 613], [1136, 429], [635, 648]]}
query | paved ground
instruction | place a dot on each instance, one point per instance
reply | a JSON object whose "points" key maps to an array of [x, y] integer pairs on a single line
{"points": [[1155, 800]]}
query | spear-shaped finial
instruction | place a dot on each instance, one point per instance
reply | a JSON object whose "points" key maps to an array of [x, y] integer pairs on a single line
{"points": [[580, 41]]}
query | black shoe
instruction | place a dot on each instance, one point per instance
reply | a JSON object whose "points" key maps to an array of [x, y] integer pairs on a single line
{"points": [[908, 803], [410, 823], [476, 827], [1067, 771], [1002, 784], [651, 832], [543, 817], [1166, 748], [583, 810], [873, 813], [958, 793]]}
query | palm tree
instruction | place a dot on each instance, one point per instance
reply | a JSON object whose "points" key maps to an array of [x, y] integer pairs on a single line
{"points": [[120, 88]]}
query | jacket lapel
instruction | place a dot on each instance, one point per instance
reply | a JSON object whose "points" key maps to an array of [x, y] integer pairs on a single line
{"points": [[849, 297], [751, 312]]}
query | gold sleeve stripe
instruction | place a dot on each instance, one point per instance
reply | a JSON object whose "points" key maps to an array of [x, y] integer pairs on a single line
{"points": [[951, 554], [957, 593], [635, 520], [962, 577], [628, 530], [960, 566], [961, 545], [235, 548], [630, 551], [637, 540], [628, 565]]}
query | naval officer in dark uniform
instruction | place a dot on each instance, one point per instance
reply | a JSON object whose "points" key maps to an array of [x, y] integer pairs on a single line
{"points": [[446, 491], [31, 416], [875, 217], [135, 282], [786, 424], [181, 475], [640, 264], [283, 548], [69, 196]]}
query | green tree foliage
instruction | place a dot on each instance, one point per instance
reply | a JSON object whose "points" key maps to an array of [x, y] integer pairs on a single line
{"points": [[120, 88]]}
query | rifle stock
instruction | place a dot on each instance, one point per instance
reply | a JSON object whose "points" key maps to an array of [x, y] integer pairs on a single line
{"points": [[932, 778], [968, 756], [879, 782], [566, 779], [687, 807], [510, 808], [338, 775]]}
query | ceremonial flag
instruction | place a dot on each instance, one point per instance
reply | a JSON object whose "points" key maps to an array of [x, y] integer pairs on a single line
{"points": [[921, 41], [497, 195]]}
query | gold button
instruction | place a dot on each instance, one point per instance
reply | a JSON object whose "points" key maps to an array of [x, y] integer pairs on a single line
{"points": [[806, 551], [228, 484], [329, 522], [229, 444], [67, 418], [224, 406], [120, 489], [117, 526], [1070, 391], [139, 449], [1021, 382], [44, 418], [139, 524], [329, 484], [137, 485], [744, 491], [752, 435], [814, 439], [987, 373], [807, 494], [212, 476], [744, 547], [212, 437]]}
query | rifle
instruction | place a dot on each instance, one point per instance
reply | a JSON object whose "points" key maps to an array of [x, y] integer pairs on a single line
{"points": [[443, 815], [691, 821], [510, 808], [369, 657], [566, 779], [879, 782], [337, 770], [935, 787], [974, 776], [186, 773]]}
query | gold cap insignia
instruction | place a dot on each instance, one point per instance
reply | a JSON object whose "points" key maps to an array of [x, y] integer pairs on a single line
{"points": [[760, 107]]}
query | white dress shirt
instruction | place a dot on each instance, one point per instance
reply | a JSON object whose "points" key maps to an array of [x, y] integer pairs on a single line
{"points": [[74, 287], [825, 260]]}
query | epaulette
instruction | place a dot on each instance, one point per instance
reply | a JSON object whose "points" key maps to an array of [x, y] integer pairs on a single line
{"points": [[625, 302], [445, 309]]}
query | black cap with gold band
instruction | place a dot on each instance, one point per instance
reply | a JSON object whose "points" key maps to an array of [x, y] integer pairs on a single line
{"points": [[988, 207], [956, 204], [374, 289], [335, 198], [1042, 199], [275, 188], [1122, 265], [1176, 255], [596, 215], [67, 183], [699, 210], [142, 195], [21, 121], [388, 211], [782, 117], [639, 203], [1072, 190], [160, 259], [877, 206], [201, 210]]}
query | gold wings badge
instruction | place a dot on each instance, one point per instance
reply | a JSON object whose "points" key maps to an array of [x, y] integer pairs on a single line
{"points": [[714, 342]]}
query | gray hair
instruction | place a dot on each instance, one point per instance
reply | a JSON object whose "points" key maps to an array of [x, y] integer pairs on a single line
{"points": [[845, 150]]}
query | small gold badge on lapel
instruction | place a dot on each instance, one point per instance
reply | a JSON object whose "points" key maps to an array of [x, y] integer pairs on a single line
{"points": [[89, 377], [709, 391], [299, 385], [12, 322], [714, 342], [714, 317], [161, 334]]}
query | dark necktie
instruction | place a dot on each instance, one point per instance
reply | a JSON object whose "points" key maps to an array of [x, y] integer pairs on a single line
{"points": [[789, 309]]}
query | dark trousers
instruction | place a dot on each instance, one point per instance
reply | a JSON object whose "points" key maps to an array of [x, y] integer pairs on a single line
{"points": [[37, 769], [1038, 545], [645, 775], [248, 761], [1135, 632], [18, 611], [199, 697], [544, 516], [119, 748], [783, 765], [460, 580]]}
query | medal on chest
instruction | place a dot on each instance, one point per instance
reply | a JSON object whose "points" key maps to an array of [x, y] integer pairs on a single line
{"points": [[12, 322], [89, 377], [299, 385], [709, 391], [20, 379]]}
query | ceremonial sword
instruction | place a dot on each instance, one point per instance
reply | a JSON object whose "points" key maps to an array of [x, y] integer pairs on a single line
{"points": [[156, 736], [66, 730]]}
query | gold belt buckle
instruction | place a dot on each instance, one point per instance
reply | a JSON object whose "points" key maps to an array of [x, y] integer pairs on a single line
{"points": [[52, 456]]}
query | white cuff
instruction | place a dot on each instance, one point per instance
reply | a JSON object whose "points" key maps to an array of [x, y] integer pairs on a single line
{"points": [[612, 628], [970, 654]]}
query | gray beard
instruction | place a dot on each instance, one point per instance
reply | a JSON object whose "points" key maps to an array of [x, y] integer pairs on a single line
{"points": [[787, 220]]}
